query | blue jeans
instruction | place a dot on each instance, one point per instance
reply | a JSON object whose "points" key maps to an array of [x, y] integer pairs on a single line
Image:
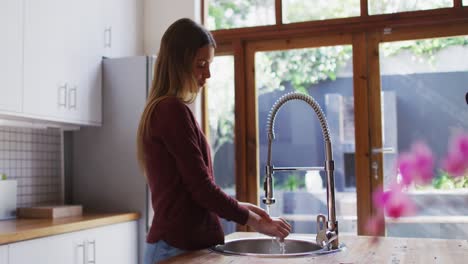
{"points": [[159, 251]]}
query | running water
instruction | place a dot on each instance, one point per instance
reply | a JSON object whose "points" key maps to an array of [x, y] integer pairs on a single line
{"points": [[274, 240], [282, 246]]}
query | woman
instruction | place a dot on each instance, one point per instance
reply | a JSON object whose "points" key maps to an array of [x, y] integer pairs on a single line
{"points": [[175, 156]]}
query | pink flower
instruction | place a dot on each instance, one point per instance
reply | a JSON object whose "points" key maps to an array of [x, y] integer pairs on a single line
{"points": [[375, 225], [456, 162], [455, 165], [394, 202], [416, 166], [461, 145], [406, 168]]}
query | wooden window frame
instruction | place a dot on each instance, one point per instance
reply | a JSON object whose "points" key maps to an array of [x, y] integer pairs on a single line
{"points": [[365, 33]]}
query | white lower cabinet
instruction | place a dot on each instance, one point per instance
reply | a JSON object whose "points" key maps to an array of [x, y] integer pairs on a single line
{"points": [[48, 250], [4, 254], [116, 244]]}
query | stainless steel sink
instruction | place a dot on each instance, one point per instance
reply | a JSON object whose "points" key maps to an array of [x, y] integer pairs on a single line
{"points": [[268, 247]]}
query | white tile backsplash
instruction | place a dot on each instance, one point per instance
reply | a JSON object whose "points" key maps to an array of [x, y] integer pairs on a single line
{"points": [[33, 157]]}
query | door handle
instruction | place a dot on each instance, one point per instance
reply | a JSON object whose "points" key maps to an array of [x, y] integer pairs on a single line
{"points": [[93, 261], [384, 150], [84, 251], [72, 95], [108, 37], [62, 95], [375, 164]]}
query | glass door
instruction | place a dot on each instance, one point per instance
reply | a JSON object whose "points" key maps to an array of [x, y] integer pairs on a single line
{"points": [[423, 111], [220, 101], [324, 72]]}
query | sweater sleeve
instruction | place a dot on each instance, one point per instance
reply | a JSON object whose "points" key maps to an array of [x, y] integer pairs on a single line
{"points": [[178, 131]]}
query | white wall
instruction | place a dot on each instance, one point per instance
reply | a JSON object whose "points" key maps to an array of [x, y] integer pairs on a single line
{"points": [[158, 15]]}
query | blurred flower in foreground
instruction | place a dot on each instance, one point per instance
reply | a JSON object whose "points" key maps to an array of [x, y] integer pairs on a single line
{"points": [[394, 202], [416, 166], [375, 225], [456, 162]]}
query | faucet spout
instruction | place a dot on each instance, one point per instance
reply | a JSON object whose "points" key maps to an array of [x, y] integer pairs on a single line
{"points": [[332, 224]]}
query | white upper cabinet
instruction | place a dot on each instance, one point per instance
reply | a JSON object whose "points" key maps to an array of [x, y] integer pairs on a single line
{"points": [[51, 53], [63, 48], [123, 27], [11, 55], [47, 60], [84, 92]]}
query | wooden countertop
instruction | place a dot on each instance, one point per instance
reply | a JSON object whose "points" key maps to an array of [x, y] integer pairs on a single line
{"points": [[359, 249], [16, 230]]}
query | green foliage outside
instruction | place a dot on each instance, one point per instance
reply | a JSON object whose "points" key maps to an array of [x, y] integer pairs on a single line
{"points": [[300, 67], [303, 10], [446, 182], [227, 14], [424, 48], [219, 10], [293, 182]]}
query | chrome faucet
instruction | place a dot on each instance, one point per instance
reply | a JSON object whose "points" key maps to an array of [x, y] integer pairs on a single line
{"points": [[327, 231]]}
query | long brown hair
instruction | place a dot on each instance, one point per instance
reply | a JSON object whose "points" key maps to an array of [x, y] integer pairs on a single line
{"points": [[173, 74]]}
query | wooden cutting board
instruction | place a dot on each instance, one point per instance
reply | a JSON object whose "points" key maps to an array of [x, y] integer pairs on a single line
{"points": [[52, 211]]}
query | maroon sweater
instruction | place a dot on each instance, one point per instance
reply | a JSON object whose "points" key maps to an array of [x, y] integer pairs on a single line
{"points": [[185, 198]]}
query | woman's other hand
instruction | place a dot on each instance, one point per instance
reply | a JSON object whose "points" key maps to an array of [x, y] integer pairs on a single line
{"points": [[275, 227], [256, 209]]}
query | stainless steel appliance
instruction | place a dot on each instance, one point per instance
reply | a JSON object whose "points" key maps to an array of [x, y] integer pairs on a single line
{"points": [[102, 170]]}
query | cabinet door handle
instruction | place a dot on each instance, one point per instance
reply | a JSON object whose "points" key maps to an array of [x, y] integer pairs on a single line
{"points": [[94, 252], [108, 37], [106, 32], [84, 253], [72, 95], [62, 95]]}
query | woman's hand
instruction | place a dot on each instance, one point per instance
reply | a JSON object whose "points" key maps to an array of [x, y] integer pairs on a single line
{"points": [[275, 227], [256, 209]]}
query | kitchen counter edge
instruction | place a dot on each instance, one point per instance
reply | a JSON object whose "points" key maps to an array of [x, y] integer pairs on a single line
{"points": [[21, 229]]}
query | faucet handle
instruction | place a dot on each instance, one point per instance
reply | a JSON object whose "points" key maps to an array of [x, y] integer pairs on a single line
{"points": [[321, 238], [321, 223]]}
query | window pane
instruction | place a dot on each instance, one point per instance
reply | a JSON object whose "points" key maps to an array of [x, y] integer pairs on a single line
{"points": [[424, 89], [300, 10], [326, 74], [220, 102], [394, 6], [224, 14]]}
